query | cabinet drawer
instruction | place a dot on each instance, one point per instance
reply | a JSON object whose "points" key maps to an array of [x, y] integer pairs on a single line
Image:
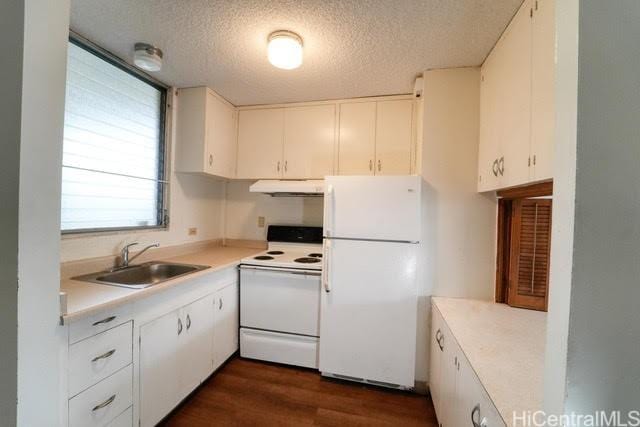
{"points": [[125, 419], [290, 349], [103, 402], [99, 356], [97, 323]]}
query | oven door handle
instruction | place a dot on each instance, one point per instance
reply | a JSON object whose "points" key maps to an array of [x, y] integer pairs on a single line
{"points": [[280, 270]]}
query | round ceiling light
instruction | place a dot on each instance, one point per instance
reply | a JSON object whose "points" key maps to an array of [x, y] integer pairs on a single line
{"points": [[285, 50], [147, 57]]}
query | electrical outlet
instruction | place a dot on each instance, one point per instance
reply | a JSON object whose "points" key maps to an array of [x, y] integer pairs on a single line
{"points": [[261, 221], [193, 231]]}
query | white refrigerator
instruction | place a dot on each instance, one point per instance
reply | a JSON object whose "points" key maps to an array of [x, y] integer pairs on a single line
{"points": [[369, 297]]}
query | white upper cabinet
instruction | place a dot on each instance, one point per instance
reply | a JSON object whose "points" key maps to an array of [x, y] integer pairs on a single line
{"points": [[393, 137], [375, 138], [357, 138], [309, 135], [542, 89], [260, 138], [516, 101], [206, 141]]}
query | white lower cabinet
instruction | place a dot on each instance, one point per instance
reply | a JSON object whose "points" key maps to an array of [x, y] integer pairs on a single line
{"points": [[458, 395], [176, 353], [180, 349], [225, 333], [102, 403]]}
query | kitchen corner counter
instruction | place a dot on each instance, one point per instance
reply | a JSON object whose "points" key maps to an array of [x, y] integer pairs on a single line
{"points": [[505, 347], [84, 298]]}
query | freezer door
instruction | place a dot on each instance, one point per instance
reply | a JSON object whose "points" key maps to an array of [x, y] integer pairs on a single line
{"points": [[368, 311], [372, 207]]}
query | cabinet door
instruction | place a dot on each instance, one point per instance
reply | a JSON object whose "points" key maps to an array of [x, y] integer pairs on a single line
{"points": [[449, 400], [225, 337], [260, 137], [196, 349], [542, 89], [435, 361], [357, 138], [488, 152], [309, 134], [159, 376], [220, 156], [513, 62], [393, 137]]}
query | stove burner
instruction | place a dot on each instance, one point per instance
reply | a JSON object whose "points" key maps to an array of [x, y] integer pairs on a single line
{"points": [[263, 257], [275, 253], [307, 260], [315, 255]]}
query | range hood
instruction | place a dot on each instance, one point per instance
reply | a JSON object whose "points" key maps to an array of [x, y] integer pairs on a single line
{"points": [[289, 188]]}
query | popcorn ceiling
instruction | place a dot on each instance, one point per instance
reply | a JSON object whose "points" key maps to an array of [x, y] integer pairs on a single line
{"points": [[351, 48]]}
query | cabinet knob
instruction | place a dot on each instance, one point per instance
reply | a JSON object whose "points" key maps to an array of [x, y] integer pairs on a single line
{"points": [[278, 167], [379, 165], [220, 304], [285, 165], [494, 168], [179, 326], [501, 166], [210, 159], [188, 322], [370, 165]]}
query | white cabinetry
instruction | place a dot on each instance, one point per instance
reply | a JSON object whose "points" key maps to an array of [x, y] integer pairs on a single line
{"points": [[260, 135], [226, 315], [309, 135], [287, 143], [176, 355], [206, 137], [375, 138], [457, 394], [516, 101]]}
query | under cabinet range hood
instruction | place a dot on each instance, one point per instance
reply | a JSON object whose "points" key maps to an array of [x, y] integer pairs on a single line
{"points": [[289, 188]]}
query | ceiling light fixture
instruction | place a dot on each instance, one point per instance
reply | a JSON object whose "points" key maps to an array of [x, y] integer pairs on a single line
{"points": [[147, 57], [285, 50]]}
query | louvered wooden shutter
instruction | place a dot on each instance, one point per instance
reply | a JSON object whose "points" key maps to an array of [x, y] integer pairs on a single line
{"points": [[530, 251]]}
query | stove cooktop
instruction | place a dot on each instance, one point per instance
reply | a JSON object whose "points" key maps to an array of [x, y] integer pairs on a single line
{"points": [[298, 256]]}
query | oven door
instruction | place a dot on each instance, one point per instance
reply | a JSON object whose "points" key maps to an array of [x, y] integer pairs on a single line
{"points": [[280, 300]]}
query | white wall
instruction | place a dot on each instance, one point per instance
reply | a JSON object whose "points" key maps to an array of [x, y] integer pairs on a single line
{"points": [[243, 209], [603, 329], [46, 25], [460, 223], [195, 201], [566, 93], [459, 228]]}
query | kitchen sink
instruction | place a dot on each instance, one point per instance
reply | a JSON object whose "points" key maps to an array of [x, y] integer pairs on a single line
{"points": [[141, 276]]}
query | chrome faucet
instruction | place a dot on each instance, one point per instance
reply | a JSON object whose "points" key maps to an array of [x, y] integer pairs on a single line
{"points": [[125, 260]]}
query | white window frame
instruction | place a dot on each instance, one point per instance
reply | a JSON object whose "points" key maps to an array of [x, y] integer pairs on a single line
{"points": [[162, 198]]}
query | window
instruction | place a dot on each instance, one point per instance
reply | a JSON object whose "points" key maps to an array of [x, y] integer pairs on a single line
{"points": [[113, 154], [524, 245]]}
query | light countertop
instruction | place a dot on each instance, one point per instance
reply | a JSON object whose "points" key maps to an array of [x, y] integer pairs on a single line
{"points": [[84, 298], [505, 346]]}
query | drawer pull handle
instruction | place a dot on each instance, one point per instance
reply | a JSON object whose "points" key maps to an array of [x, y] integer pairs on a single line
{"points": [[188, 322], [105, 320], [104, 404], [220, 304], [179, 326], [104, 356]]}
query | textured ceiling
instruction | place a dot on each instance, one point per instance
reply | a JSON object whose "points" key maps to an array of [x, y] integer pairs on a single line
{"points": [[351, 48]]}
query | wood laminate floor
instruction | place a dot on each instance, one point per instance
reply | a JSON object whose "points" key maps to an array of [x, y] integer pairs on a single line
{"points": [[250, 393]]}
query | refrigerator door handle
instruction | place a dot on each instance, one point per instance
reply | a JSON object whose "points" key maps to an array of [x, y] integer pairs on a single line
{"points": [[325, 269], [329, 220]]}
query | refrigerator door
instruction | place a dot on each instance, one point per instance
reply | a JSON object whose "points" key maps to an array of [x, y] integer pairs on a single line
{"points": [[368, 311], [372, 207]]}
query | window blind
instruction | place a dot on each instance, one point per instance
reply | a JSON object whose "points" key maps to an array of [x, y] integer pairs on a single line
{"points": [[112, 168]]}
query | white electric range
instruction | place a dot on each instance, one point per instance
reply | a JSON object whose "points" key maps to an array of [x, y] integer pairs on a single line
{"points": [[280, 298]]}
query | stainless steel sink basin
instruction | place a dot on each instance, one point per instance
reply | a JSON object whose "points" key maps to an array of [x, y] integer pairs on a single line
{"points": [[142, 275]]}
